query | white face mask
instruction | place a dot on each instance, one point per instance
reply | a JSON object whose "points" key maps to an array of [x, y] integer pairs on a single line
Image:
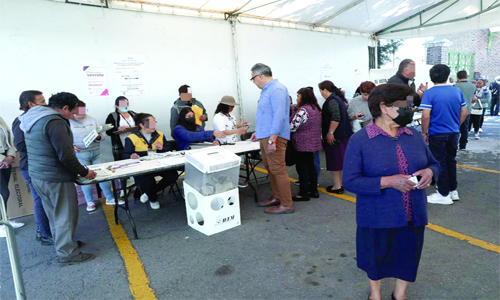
{"points": [[124, 109]]}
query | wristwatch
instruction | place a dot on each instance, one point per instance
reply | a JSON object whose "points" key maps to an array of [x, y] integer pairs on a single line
{"points": [[331, 132], [270, 142]]}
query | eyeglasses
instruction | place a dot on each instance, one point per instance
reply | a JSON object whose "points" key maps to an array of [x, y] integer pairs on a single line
{"points": [[253, 78]]}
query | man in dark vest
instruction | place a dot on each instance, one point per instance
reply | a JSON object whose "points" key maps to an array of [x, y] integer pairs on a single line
{"points": [[406, 75], [53, 168]]}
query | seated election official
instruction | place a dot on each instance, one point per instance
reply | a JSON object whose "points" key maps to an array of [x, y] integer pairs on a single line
{"points": [[137, 144], [186, 131]]}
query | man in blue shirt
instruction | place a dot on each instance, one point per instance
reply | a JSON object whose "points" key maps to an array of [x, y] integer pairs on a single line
{"points": [[444, 110], [272, 130]]}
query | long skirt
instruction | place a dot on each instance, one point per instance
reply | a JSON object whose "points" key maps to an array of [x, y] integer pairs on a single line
{"points": [[390, 252]]}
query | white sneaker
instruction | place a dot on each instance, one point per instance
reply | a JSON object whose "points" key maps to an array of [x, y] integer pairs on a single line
{"points": [[154, 205], [144, 198], [90, 206], [437, 198], [2, 231], [454, 195], [15, 224], [472, 130], [122, 194], [112, 202], [476, 136], [480, 130]]}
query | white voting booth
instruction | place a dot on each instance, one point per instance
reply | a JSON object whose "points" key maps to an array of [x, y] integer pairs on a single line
{"points": [[211, 189]]}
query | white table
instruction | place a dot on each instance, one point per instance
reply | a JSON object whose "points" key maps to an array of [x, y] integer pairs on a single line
{"points": [[112, 171]]}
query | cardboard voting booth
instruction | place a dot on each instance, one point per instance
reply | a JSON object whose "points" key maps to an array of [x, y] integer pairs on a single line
{"points": [[211, 189]]}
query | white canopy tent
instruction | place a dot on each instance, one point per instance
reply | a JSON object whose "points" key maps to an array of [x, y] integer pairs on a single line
{"points": [[384, 18], [208, 44]]}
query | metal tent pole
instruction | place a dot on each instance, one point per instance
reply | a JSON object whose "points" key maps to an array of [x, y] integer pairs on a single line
{"points": [[232, 21], [15, 263]]}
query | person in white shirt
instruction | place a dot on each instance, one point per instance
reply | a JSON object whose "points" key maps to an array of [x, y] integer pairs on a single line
{"points": [[224, 121], [81, 126]]}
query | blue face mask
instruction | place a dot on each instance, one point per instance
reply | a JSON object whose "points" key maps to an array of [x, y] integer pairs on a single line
{"points": [[123, 109]]}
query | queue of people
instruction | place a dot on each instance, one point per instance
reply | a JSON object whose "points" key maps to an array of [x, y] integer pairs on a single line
{"points": [[391, 207]]}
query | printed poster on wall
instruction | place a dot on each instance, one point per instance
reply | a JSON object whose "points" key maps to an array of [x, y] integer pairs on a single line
{"points": [[95, 79], [129, 74]]}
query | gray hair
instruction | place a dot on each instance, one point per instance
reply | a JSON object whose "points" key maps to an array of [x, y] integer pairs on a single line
{"points": [[262, 69], [404, 64]]}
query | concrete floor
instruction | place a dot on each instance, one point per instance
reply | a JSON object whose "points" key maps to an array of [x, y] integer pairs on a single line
{"points": [[310, 254]]}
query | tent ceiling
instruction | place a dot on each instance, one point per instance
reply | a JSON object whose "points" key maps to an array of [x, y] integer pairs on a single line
{"points": [[359, 17]]}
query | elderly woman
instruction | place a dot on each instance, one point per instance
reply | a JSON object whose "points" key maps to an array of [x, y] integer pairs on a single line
{"points": [[336, 130], [358, 110], [305, 127], [186, 131], [225, 121], [388, 167]]}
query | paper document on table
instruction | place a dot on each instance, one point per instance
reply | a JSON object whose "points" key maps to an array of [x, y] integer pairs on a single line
{"points": [[90, 138], [198, 111]]}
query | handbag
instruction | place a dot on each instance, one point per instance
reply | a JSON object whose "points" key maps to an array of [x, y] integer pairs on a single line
{"points": [[477, 110]]}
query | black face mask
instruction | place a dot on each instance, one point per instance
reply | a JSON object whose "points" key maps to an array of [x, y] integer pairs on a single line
{"points": [[190, 120], [405, 116]]}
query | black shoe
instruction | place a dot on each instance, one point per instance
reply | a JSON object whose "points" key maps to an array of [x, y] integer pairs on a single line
{"points": [[337, 191], [314, 194], [38, 236], [302, 198], [47, 241], [82, 257]]}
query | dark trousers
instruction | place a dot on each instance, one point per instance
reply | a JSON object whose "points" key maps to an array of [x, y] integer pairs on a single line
{"points": [[494, 108], [41, 219], [476, 121], [464, 133], [148, 183], [4, 184], [308, 175], [444, 148]]}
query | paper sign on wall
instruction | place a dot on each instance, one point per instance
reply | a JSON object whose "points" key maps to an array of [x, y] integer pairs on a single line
{"points": [[129, 74], [95, 79]]}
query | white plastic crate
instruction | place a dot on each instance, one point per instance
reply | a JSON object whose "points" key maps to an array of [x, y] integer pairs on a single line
{"points": [[212, 214]]}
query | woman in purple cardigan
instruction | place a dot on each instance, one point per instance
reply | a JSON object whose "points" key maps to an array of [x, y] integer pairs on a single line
{"points": [[388, 167], [305, 128]]}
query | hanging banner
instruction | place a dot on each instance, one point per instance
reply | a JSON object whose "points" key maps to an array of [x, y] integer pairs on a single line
{"points": [[95, 80], [129, 75]]}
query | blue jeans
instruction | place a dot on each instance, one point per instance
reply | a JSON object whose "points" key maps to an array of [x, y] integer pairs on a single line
{"points": [[494, 106], [444, 148], [41, 220], [90, 158], [317, 162]]}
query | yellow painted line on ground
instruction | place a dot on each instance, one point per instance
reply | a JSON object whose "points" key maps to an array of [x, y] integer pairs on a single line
{"points": [[138, 280], [479, 169], [437, 228], [463, 237]]}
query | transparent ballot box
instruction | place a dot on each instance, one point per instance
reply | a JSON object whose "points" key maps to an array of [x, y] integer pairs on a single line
{"points": [[212, 170]]}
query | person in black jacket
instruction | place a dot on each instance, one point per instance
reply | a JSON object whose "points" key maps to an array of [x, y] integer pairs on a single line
{"points": [[406, 75], [122, 120], [28, 100]]}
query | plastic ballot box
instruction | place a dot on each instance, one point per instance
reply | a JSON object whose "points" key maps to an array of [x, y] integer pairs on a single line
{"points": [[211, 189]]}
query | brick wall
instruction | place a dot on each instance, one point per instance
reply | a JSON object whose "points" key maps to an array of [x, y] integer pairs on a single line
{"points": [[487, 63]]}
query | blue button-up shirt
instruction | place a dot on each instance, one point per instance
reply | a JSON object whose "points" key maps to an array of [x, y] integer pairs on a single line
{"points": [[272, 111]]}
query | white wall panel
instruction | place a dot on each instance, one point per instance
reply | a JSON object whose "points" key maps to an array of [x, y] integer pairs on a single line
{"points": [[45, 44]]}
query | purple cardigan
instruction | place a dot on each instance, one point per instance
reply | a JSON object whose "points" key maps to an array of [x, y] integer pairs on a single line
{"points": [[367, 160], [307, 138]]}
